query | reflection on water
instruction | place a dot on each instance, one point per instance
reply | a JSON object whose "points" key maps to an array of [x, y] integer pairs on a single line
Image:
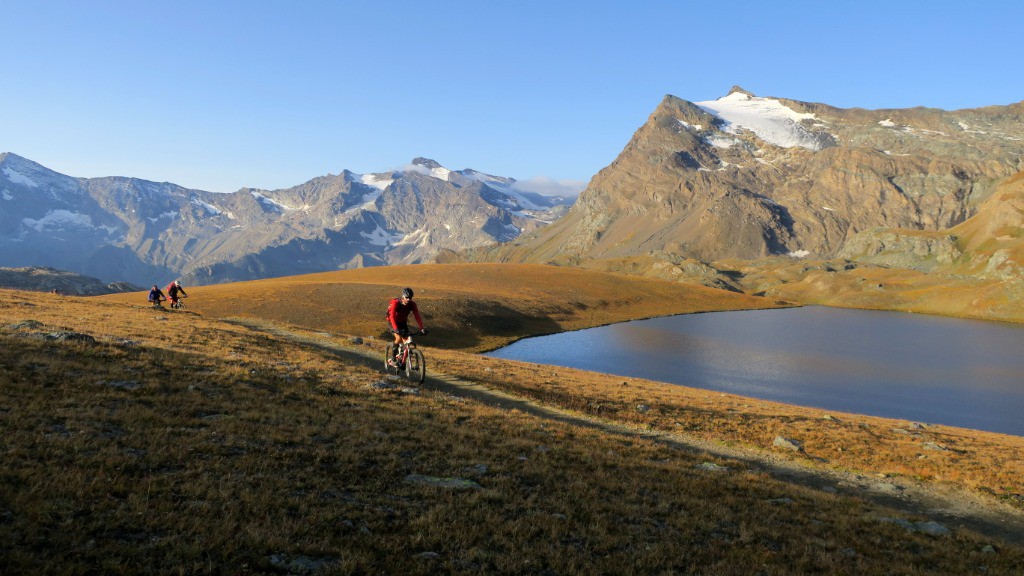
{"points": [[922, 368]]}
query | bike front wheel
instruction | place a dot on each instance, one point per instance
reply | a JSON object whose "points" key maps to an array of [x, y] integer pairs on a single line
{"points": [[416, 367]]}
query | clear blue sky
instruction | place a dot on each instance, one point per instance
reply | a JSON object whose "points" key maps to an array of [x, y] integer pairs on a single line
{"points": [[218, 95]]}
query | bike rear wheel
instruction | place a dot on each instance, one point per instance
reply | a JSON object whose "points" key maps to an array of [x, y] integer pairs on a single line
{"points": [[416, 367]]}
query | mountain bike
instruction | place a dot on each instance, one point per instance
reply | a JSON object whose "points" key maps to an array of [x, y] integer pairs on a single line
{"points": [[409, 360], [180, 304]]}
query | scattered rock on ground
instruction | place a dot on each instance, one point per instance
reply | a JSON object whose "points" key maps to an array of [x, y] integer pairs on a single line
{"points": [[929, 527], [712, 467], [932, 528], [27, 325], [788, 444], [67, 336]]}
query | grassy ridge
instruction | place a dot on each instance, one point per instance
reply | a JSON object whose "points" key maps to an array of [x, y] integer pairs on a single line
{"points": [[178, 443], [467, 306]]}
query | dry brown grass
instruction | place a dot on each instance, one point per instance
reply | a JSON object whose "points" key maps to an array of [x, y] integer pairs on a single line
{"points": [[177, 443], [473, 307]]}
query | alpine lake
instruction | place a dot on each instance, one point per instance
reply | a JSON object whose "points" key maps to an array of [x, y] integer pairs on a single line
{"points": [[927, 369]]}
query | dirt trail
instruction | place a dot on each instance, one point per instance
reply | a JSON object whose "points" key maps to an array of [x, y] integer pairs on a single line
{"points": [[954, 508]]}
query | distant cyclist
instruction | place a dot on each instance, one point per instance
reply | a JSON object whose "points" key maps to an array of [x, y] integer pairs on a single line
{"points": [[156, 296], [398, 316], [175, 292]]}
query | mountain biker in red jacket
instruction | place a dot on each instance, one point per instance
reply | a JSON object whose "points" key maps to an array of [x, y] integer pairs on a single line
{"points": [[173, 289], [398, 316]]}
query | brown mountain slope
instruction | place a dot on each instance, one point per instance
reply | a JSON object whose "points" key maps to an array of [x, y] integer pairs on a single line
{"points": [[993, 240]]}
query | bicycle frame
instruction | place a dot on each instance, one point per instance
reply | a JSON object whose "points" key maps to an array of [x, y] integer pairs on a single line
{"points": [[404, 347]]}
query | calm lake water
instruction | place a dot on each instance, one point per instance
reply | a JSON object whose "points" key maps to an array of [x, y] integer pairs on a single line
{"points": [[927, 369]]}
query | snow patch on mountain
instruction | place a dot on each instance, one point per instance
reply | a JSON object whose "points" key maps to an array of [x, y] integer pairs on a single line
{"points": [[432, 170], [270, 202], [419, 238], [380, 237], [694, 127], [368, 202], [18, 178], [770, 119], [210, 208], [516, 200], [441, 173], [170, 215], [720, 141], [486, 178], [375, 181], [59, 220]]}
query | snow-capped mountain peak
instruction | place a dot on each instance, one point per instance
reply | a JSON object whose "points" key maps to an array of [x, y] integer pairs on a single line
{"points": [[768, 118], [429, 167]]}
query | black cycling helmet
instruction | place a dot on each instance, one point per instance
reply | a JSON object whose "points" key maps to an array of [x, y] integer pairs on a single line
{"points": [[407, 293]]}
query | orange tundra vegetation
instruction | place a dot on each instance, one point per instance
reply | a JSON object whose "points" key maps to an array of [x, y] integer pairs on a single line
{"points": [[254, 433]]}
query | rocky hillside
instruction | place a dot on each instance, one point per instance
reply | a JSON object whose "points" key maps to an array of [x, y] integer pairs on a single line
{"points": [[65, 283], [749, 177], [146, 232], [989, 244]]}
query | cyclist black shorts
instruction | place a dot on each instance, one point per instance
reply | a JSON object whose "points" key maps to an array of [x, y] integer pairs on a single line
{"points": [[403, 329]]}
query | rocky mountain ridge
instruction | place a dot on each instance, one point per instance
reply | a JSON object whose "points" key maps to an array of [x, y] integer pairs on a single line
{"points": [[749, 177], [915, 209], [141, 231]]}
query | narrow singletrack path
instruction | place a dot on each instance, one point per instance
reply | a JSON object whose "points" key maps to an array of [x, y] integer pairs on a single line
{"points": [[950, 506]]}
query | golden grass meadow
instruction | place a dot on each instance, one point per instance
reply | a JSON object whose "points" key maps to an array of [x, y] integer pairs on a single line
{"points": [[254, 433]]}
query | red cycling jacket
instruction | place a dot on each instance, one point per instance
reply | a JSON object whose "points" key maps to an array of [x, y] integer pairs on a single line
{"points": [[173, 291], [398, 312]]}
